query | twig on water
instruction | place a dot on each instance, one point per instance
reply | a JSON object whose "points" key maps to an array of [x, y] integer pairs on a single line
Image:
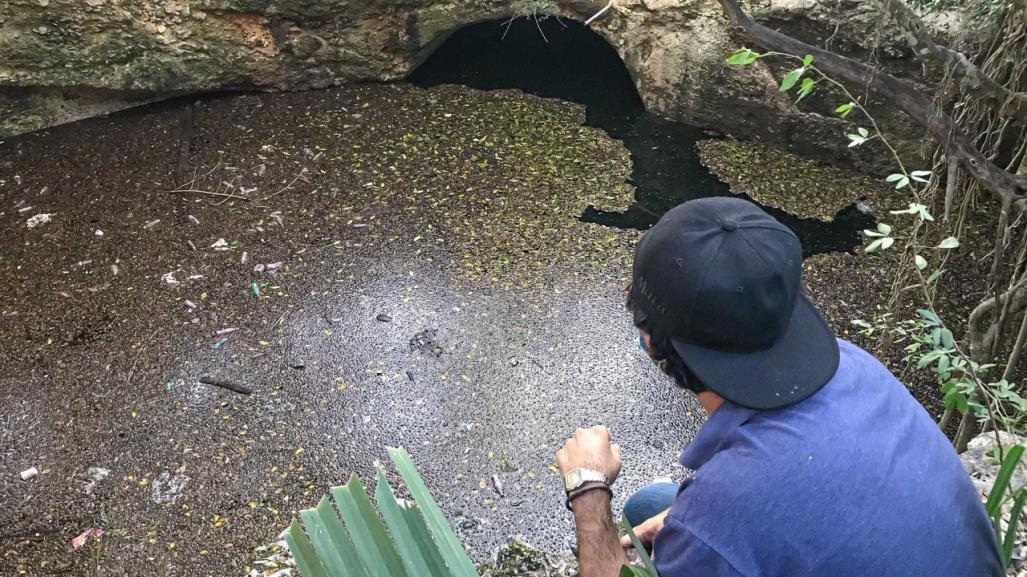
{"points": [[142, 345], [234, 387], [211, 193], [288, 186]]}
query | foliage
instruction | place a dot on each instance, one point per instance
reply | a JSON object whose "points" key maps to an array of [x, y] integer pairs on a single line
{"points": [[928, 342], [351, 539], [414, 539], [999, 496]]}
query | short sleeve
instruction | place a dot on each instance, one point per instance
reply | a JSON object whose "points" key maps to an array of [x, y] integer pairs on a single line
{"points": [[677, 552]]}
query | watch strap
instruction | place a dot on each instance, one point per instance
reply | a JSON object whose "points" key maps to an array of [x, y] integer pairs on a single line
{"points": [[585, 488]]}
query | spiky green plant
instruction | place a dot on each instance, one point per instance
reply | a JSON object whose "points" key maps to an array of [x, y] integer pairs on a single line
{"points": [[351, 540], [409, 539]]}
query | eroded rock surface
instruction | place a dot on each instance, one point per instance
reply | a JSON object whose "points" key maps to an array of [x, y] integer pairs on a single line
{"points": [[65, 59]]}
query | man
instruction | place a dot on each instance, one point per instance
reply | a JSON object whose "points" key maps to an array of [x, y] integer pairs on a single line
{"points": [[814, 461]]}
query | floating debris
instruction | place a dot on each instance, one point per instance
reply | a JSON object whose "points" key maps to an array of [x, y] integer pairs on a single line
{"points": [[79, 541], [228, 331], [191, 244], [245, 256], [193, 219], [255, 289], [98, 232], [234, 387], [169, 278], [220, 244], [151, 224], [383, 318], [168, 489], [114, 269], [190, 304], [41, 218], [29, 473], [497, 484], [95, 476], [219, 344]]}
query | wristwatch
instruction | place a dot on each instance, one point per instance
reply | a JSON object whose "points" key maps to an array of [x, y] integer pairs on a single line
{"points": [[576, 478]]}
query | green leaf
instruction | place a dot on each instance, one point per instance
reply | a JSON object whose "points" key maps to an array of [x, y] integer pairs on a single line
{"points": [[872, 233], [1009, 542], [863, 132], [807, 60], [422, 536], [874, 246], [790, 79], [805, 88], [855, 140], [955, 400], [921, 262], [950, 242], [332, 544], [935, 275], [303, 552], [920, 175], [899, 180], [449, 546], [642, 554], [845, 109], [947, 340], [367, 531], [929, 316], [632, 571], [861, 323], [883, 228], [742, 57], [998, 489], [402, 535]]}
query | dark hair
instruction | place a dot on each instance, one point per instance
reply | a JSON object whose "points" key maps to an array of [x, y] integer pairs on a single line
{"points": [[667, 356]]}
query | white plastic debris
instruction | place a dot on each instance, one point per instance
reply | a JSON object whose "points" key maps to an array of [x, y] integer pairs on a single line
{"points": [[273, 267], [193, 219], [220, 244], [41, 218], [95, 475], [228, 331], [98, 232], [242, 259], [169, 278], [29, 473], [190, 304], [151, 224], [114, 269], [191, 244], [24, 209]]}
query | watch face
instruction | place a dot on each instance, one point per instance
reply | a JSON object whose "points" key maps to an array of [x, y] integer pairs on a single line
{"points": [[573, 479]]}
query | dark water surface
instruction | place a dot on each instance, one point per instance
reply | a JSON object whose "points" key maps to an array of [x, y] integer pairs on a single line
{"points": [[564, 59]]}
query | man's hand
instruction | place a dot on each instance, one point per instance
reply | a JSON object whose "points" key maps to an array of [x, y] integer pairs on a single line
{"points": [[590, 449], [599, 553], [646, 532]]}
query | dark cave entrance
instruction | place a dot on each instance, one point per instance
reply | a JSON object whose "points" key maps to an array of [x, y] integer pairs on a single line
{"points": [[559, 58]]}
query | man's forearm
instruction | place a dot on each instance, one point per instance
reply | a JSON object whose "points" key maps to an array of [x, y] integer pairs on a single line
{"points": [[599, 551]]}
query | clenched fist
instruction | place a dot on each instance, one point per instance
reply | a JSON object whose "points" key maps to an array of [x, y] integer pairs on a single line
{"points": [[590, 449]]}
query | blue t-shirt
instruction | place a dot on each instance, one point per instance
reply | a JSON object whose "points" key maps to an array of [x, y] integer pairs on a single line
{"points": [[857, 480]]}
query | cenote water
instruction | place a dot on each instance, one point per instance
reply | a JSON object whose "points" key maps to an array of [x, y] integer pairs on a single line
{"points": [[565, 60]]}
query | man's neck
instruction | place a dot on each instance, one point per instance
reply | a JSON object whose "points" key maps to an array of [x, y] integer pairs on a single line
{"points": [[710, 401]]}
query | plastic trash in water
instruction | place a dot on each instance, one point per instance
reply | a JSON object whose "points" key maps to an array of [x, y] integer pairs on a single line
{"points": [[83, 537], [29, 473]]}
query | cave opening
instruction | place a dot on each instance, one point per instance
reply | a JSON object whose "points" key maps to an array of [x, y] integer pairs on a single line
{"points": [[564, 59]]}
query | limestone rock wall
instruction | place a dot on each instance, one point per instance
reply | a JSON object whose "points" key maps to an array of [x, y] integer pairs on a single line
{"points": [[65, 59]]}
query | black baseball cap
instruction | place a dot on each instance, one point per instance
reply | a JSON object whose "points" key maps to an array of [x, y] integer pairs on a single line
{"points": [[722, 278]]}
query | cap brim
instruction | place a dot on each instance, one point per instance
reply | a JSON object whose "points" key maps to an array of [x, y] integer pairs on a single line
{"points": [[801, 362]]}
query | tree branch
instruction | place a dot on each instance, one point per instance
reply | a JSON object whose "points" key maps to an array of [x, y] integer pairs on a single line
{"points": [[1000, 183], [1006, 102]]}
